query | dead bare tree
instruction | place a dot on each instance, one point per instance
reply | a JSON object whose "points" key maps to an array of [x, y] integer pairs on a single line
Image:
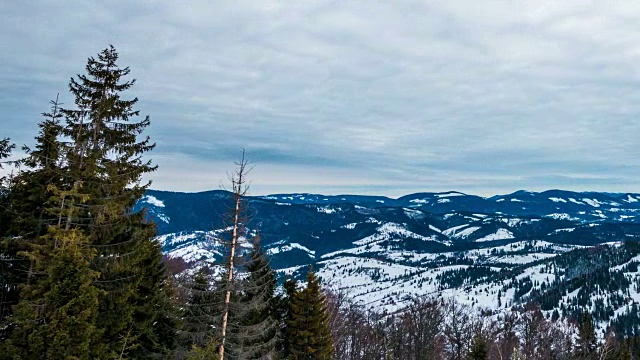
{"points": [[239, 188], [457, 329]]}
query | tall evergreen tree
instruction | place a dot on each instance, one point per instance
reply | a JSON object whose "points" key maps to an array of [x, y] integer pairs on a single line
{"points": [[27, 209], [308, 333], [42, 169], [105, 156], [7, 285]]}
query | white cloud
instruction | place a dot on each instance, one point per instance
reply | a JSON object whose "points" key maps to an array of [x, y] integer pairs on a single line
{"points": [[398, 96]]}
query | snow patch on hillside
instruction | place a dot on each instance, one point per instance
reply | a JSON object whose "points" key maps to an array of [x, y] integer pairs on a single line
{"points": [[289, 247], [449, 194], [562, 230], [461, 231], [327, 209], [592, 202], [413, 214], [162, 217], [152, 200], [501, 234]]}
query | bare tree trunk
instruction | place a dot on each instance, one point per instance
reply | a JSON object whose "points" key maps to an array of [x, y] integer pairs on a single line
{"points": [[239, 191]]}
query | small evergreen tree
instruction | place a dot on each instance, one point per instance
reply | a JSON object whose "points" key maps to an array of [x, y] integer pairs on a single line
{"points": [[479, 348], [586, 346], [308, 333], [199, 313], [286, 316], [5, 150], [258, 330]]}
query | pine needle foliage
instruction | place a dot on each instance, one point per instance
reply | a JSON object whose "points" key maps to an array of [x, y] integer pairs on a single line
{"points": [[28, 205], [256, 335], [55, 318], [84, 177], [106, 155], [308, 333]]}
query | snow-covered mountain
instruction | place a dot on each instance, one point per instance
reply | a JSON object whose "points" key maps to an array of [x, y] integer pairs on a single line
{"points": [[564, 250]]}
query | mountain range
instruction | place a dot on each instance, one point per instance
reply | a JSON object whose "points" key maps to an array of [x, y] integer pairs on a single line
{"points": [[566, 251]]}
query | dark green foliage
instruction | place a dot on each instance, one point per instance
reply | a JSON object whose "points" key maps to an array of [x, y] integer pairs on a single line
{"points": [[587, 343], [199, 314], [479, 348], [5, 149], [84, 176], [257, 334], [588, 272], [285, 314], [55, 318], [308, 333], [154, 316], [28, 206], [107, 158], [463, 277]]}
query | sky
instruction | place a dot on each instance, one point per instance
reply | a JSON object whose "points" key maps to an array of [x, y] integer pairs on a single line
{"points": [[367, 97]]}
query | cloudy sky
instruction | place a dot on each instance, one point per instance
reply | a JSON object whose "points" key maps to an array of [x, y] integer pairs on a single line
{"points": [[375, 97]]}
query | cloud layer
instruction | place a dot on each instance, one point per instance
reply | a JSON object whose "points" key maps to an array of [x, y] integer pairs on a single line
{"points": [[354, 96]]}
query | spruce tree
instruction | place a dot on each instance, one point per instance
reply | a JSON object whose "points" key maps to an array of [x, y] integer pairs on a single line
{"points": [[105, 155], [308, 333], [286, 316], [55, 317], [479, 348], [257, 332], [42, 169], [586, 345], [8, 289], [199, 315], [27, 209], [5, 149]]}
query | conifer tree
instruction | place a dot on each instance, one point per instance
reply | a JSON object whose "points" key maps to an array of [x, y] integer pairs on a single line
{"points": [[55, 317], [308, 333], [30, 195], [586, 346], [479, 348], [257, 331], [5, 149], [7, 286], [286, 316], [199, 315], [105, 155], [27, 210]]}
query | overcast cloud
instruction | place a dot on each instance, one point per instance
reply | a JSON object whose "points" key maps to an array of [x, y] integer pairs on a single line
{"points": [[384, 97]]}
